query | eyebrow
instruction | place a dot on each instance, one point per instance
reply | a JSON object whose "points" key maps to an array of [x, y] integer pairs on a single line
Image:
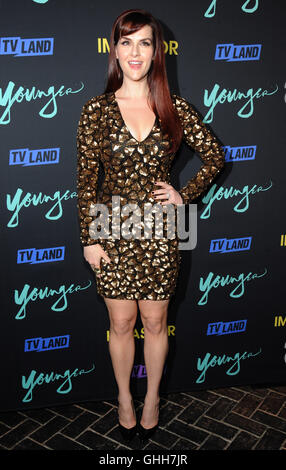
{"points": [[125, 37]]}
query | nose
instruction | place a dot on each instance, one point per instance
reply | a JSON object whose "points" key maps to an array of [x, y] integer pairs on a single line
{"points": [[135, 50]]}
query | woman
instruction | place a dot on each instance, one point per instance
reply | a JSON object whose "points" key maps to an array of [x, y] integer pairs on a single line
{"points": [[134, 129]]}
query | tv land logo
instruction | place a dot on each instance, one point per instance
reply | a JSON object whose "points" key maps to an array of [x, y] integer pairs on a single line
{"points": [[26, 157], [226, 328], [139, 371], [224, 245], [47, 344], [239, 53], [239, 154], [40, 255], [19, 47]]}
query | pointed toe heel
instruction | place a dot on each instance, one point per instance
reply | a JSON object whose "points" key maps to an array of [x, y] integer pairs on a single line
{"points": [[127, 433], [145, 434]]}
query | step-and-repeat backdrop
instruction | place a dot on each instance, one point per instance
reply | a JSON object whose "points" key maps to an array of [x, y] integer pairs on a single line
{"points": [[227, 321]]}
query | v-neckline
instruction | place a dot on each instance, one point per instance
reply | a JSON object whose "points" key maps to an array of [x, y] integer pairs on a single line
{"points": [[131, 135]]}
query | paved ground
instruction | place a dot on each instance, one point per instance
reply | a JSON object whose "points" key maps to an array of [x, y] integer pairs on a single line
{"points": [[232, 418]]}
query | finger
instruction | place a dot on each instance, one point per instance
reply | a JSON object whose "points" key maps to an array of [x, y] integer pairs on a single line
{"points": [[106, 258], [165, 187], [163, 191], [162, 183], [162, 196], [159, 191]]}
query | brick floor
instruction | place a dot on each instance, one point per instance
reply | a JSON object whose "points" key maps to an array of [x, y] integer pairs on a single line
{"points": [[234, 418]]}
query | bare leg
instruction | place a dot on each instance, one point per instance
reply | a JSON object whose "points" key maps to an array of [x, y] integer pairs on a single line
{"points": [[122, 315], [156, 346]]}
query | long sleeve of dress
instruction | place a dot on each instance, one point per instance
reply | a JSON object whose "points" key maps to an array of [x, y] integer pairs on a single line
{"points": [[201, 139], [88, 161]]}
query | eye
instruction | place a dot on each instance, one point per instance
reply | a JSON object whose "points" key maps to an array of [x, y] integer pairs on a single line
{"points": [[145, 43]]}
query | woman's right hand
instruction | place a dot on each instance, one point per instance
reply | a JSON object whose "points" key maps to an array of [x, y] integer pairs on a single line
{"points": [[93, 255]]}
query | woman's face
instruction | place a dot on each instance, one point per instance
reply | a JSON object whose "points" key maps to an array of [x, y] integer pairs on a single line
{"points": [[136, 47]]}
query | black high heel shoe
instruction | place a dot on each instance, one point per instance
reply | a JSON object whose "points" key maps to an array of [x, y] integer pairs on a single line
{"points": [[128, 433], [145, 434]]}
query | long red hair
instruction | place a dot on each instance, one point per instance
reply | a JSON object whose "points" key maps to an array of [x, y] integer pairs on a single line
{"points": [[161, 103]]}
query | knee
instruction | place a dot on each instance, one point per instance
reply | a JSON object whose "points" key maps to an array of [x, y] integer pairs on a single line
{"points": [[122, 326], [154, 326]]}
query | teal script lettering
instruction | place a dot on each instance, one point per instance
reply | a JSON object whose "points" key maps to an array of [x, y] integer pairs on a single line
{"points": [[32, 294], [211, 10], [213, 195], [209, 361], [220, 96], [16, 203], [211, 282], [10, 96], [33, 380]]}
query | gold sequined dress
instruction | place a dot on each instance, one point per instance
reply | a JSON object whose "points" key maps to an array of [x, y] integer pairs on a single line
{"points": [[141, 268]]}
